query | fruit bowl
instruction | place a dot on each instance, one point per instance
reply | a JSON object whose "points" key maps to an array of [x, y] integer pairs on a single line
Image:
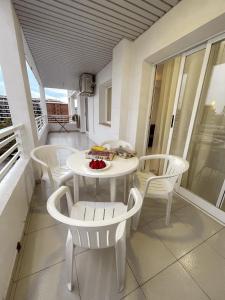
{"points": [[98, 165]]}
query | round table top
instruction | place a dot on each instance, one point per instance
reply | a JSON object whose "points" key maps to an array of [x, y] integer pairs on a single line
{"points": [[78, 163]]}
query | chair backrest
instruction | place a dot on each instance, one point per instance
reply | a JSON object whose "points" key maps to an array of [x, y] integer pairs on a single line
{"points": [[174, 167], [88, 233], [118, 144], [50, 155]]}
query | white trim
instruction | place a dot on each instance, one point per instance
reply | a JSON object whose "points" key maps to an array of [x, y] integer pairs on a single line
{"points": [[149, 110], [176, 100], [197, 99], [208, 208]]}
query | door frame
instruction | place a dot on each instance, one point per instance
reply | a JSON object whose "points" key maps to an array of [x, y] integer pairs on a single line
{"points": [[210, 209]]}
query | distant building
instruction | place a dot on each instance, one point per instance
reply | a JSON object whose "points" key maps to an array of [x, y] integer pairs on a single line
{"points": [[5, 112], [4, 109], [56, 107]]}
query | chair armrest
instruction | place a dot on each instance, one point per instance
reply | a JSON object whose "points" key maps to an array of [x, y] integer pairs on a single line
{"points": [[38, 160], [54, 201]]}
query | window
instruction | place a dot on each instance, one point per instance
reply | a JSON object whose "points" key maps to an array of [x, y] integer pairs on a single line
{"points": [[35, 91], [105, 103]]}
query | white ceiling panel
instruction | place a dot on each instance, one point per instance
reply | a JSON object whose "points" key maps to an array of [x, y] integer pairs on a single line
{"points": [[69, 37]]}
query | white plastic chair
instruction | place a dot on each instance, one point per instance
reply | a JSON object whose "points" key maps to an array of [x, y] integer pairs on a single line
{"points": [[117, 144], [96, 225], [162, 186], [52, 164]]}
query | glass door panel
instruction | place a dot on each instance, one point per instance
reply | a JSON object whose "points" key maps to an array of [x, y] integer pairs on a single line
{"points": [[189, 84], [206, 153]]}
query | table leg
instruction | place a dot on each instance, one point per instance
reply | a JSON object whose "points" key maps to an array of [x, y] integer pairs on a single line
{"points": [[96, 186], [126, 185], [76, 187], [113, 189]]}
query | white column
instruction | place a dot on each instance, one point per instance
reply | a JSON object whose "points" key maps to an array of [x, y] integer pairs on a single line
{"points": [[81, 101], [71, 106], [12, 61], [43, 103]]}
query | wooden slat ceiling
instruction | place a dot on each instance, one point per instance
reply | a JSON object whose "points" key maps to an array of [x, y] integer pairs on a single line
{"points": [[69, 37]]}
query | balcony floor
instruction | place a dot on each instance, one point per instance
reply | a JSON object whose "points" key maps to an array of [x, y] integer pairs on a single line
{"points": [[185, 260]]}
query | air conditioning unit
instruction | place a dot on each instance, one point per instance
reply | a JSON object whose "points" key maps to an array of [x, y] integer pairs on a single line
{"points": [[87, 84]]}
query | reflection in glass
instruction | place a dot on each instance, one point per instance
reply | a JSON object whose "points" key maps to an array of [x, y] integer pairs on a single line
{"points": [[163, 101], [189, 84]]}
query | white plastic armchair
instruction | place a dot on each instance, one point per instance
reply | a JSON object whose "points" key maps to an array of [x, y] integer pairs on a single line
{"points": [[96, 225], [153, 186], [117, 143], [52, 164]]}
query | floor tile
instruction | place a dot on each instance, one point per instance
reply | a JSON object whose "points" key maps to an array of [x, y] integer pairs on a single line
{"points": [[42, 249], [204, 225], [217, 242], [49, 284], [96, 271], [174, 283], [187, 229], [181, 237], [147, 255], [40, 220], [208, 269], [153, 209], [136, 295]]}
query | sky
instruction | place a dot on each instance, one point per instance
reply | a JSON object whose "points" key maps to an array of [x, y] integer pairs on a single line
{"points": [[34, 86], [2, 86]]}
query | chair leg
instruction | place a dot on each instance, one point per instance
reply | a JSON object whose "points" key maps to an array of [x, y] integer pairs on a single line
{"points": [[69, 260], [168, 208], [120, 250]]}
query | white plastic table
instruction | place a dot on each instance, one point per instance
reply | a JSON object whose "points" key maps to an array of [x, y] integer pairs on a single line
{"points": [[119, 167]]}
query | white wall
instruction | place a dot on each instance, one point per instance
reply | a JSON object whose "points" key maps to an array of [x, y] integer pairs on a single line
{"points": [[185, 26], [132, 68], [17, 187], [119, 72], [16, 190], [97, 132]]}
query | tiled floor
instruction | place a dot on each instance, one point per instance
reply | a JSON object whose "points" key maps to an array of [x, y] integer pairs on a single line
{"points": [[185, 260]]}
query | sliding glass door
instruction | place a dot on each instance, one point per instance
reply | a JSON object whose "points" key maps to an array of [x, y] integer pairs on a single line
{"points": [[188, 113], [206, 151]]}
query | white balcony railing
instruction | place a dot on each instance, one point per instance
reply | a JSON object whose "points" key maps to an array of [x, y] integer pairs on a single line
{"points": [[10, 148], [40, 122], [59, 119]]}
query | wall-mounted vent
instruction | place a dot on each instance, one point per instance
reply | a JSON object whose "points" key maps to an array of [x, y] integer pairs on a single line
{"points": [[87, 84]]}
